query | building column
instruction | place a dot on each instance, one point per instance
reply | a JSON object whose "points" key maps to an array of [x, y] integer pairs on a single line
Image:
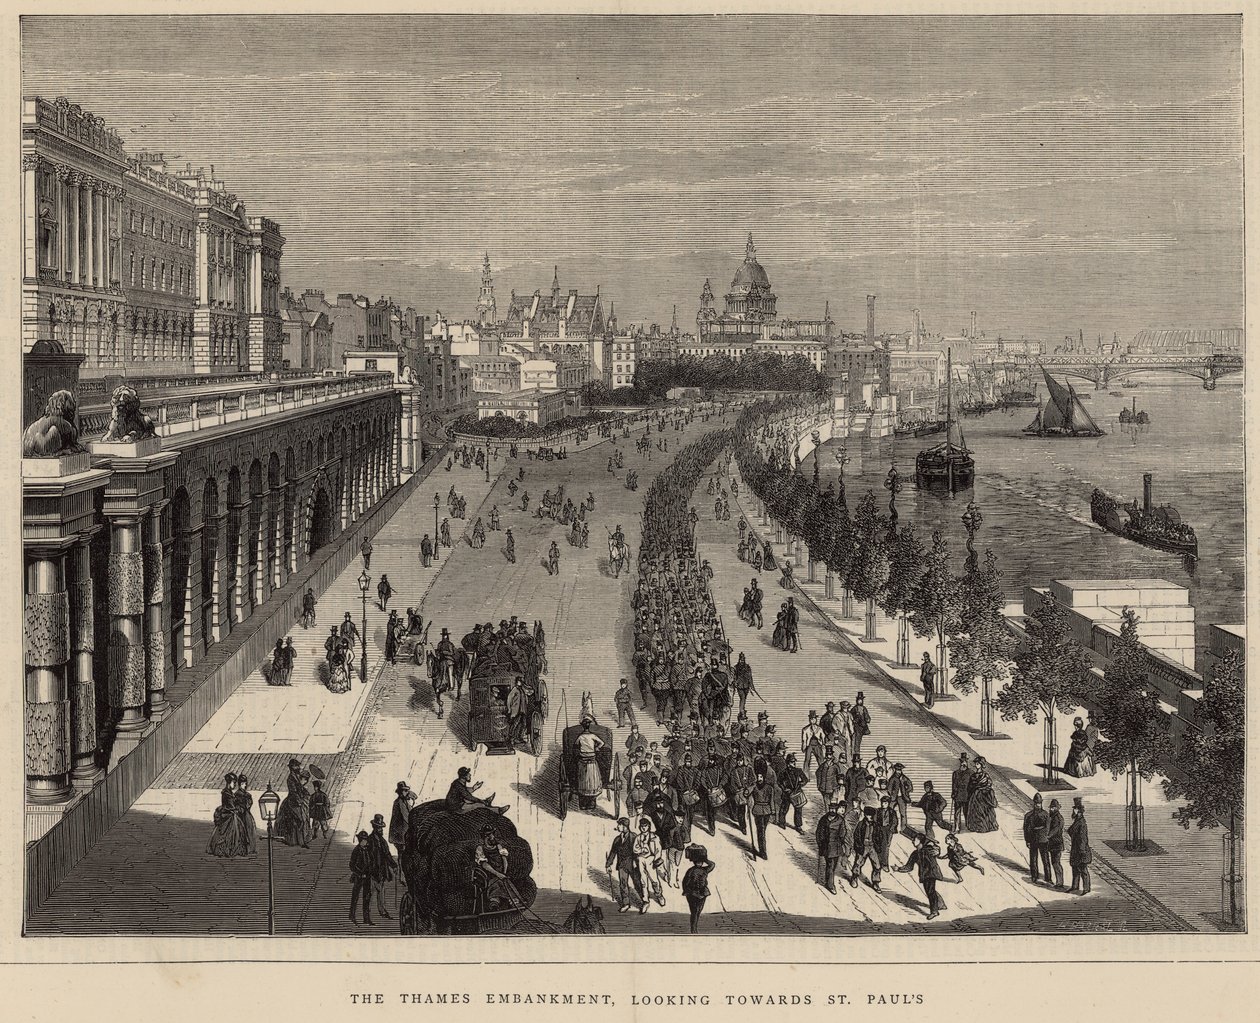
{"points": [[84, 740], [240, 591], [407, 436], [221, 613], [345, 492], [75, 192], [297, 550], [258, 538], [127, 677], [276, 521], [89, 235], [102, 236], [154, 624], [194, 627], [46, 624], [63, 224]]}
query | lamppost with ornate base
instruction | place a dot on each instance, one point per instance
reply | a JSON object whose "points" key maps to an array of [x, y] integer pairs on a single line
{"points": [[894, 486], [268, 804], [365, 581], [971, 520], [437, 544]]}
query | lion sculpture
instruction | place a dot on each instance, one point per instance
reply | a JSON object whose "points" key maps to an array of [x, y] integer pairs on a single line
{"points": [[53, 433], [127, 422]]}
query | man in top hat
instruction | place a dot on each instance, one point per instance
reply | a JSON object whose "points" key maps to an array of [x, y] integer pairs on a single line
{"points": [[827, 722], [361, 878], [861, 722], [1037, 838], [399, 818], [349, 631], [1080, 856], [383, 863], [444, 653], [960, 791], [812, 740], [854, 779], [331, 644]]}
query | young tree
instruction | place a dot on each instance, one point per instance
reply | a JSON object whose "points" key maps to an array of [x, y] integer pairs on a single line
{"points": [[982, 651], [905, 569], [1051, 676], [1134, 741], [868, 567], [934, 605], [1212, 763]]}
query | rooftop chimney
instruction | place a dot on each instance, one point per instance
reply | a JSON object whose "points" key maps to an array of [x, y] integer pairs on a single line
{"points": [[870, 319]]}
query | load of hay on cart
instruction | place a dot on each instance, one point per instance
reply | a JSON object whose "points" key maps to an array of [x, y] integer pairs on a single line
{"points": [[452, 888], [579, 777]]}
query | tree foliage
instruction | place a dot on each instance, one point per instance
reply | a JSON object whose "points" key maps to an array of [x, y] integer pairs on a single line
{"points": [[1213, 756], [905, 569], [1051, 671], [1134, 736], [868, 566], [756, 371], [981, 652], [935, 604]]}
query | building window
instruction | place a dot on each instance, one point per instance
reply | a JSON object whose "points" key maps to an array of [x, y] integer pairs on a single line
{"points": [[369, 365], [131, 268]]}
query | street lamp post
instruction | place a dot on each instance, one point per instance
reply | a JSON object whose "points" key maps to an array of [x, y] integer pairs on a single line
{"points": [[487, 460], [268, 804], [437, 503], [365, 581], [842, 458], [971, 521]]}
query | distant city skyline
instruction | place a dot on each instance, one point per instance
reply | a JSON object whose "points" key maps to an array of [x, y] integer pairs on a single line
{"points": [[1054, 175]]}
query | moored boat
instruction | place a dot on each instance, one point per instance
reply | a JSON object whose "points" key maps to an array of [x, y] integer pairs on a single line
{"points": [[947, 465]]}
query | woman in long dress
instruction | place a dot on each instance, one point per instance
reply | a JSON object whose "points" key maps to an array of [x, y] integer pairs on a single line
{"points": [[278, 660], [293, 820], [590, 782], [339, 670], [245, 812], [226, 838], [981, 802], [779, 639], [1080, 758], [767, 558]]}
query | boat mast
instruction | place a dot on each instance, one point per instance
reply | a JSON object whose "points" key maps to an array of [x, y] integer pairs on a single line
{"points": [[949, 419]]}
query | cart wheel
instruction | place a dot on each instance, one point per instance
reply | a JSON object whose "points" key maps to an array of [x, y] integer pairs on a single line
{"points": [[542, 698], [408, 918], [535, 732], [564, 798]]}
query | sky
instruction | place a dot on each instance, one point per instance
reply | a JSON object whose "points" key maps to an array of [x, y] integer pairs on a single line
{"points": [[1052, 174]]}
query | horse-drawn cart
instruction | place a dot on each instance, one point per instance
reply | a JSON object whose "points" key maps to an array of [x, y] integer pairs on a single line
{"points": [[573, 770]]}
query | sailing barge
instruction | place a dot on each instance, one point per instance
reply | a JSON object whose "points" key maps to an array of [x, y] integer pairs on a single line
{"points": [[947, 465], [1159, 527], [1062, 415]]}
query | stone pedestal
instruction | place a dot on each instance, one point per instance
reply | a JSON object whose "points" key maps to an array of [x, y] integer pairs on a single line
{"points": [[84, 741], [154, 596], [46, 632]]}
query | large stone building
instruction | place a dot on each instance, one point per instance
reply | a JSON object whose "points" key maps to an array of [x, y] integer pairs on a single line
{"points": [[493, 374], [125, 261], [621, 359], [307, 335], [557, 322]]}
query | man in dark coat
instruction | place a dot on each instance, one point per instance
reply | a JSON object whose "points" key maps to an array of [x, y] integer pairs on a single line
{"points": [[1037, 838], [927, 676], [929, 872], [960, 791], [861, 722], [742, 782], [1054, 844], [1081, 855], [391, 637], [687, 785], [932, 803], [792, 788], [900, 788], [763, 800], [426, 551], [854, 778], [361, 879], [832, 837], [885, 828], [791, 626], [865, 847], [383, 863], [827, 777], [712, 777], [401, 815]]}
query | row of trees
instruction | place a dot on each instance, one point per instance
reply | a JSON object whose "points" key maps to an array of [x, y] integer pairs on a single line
{"points": [[756, 371], [1046, 674], [508, 428]]}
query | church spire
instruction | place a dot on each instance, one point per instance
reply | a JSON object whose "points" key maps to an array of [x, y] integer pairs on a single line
{"points": [[673, 323], [750, 250], [486, 311], [706, 295], [555, 287]]}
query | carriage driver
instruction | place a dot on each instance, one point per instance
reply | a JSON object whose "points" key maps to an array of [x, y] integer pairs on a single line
{"points": [[517, 705]]}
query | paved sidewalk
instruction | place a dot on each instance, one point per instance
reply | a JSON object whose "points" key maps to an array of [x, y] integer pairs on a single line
{"points": [[1180, 874], [305, 718]]}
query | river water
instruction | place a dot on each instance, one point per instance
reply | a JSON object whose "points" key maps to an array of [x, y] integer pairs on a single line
{"points": [[1034, 492]]}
